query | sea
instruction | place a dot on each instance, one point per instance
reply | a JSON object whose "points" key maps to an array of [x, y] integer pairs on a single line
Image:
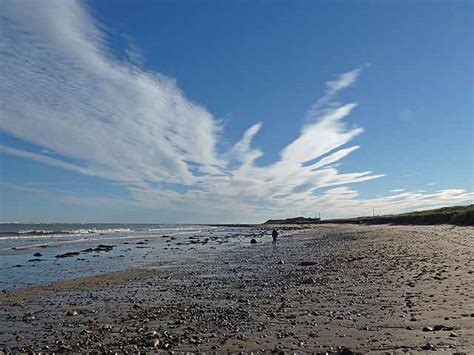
{"points": [[38, 254]]}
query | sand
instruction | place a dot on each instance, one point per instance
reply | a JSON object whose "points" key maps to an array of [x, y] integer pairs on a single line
{"points": [[334, 288]]}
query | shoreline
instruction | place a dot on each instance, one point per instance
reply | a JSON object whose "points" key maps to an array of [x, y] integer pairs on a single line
{"points": [[331, 287]]}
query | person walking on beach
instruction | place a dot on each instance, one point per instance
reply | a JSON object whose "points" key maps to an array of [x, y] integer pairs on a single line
{"points": [[274, 235]]}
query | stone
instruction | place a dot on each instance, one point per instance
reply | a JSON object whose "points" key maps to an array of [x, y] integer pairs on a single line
{"points": [[155, 343], [308, 281], [103, 247], [71, 313], [29, 318], [428, 346], [67, 255], [307, 263]]}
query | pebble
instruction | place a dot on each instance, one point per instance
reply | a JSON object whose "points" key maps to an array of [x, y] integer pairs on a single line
{"points": [[71, 313]]}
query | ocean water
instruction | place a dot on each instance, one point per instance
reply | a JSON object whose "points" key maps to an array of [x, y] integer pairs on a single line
{"points": [[133, 245]]}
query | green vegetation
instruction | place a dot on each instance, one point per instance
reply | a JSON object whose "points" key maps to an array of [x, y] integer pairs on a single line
{"points": [[296, 220], [458, 215]]}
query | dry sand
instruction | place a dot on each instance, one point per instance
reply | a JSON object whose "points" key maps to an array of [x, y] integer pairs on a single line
{"points": [[339, 288]]}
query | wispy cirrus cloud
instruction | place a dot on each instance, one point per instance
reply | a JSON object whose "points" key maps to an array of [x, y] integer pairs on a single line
{"points": [[63, 90]]}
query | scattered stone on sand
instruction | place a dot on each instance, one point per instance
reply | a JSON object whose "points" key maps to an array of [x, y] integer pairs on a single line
{"points": [[249, 300]]}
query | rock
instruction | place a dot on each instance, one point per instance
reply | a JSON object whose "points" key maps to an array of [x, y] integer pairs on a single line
{"points": [[29, 318], [34, 260], [345, 351], [453, 335], [195, 340], [308, 281], [428, 346], [37, 254], [103, 247], [71, 313], [307, 263], [409, 328], [281, 262], [67, 255], [437, 328], [253, 241], [155, 343]]}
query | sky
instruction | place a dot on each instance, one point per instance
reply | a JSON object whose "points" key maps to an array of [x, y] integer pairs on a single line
{"points": [[233, 111]]}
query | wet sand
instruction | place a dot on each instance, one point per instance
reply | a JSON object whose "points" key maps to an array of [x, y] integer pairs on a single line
{"points": [[338, 288]]}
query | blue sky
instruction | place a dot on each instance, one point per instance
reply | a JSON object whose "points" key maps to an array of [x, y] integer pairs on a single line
{"points": [[235, 111]]}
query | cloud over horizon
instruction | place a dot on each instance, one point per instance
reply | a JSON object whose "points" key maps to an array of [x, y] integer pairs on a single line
{"points": [[63, 90]]}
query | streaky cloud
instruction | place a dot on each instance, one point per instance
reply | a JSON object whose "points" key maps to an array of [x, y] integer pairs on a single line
{"points": [[63, 90]]}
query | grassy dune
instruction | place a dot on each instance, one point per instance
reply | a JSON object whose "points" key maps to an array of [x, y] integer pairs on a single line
{"points": [[458, 215]]}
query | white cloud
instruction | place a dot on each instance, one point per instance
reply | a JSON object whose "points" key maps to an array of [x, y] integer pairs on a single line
{"points": [[242, 149], [63, 90], [41, 159], [133, 52], [397, 190], [343, 81]]}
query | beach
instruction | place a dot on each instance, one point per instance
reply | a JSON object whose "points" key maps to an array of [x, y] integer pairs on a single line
{"points": [[324, 288]]}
